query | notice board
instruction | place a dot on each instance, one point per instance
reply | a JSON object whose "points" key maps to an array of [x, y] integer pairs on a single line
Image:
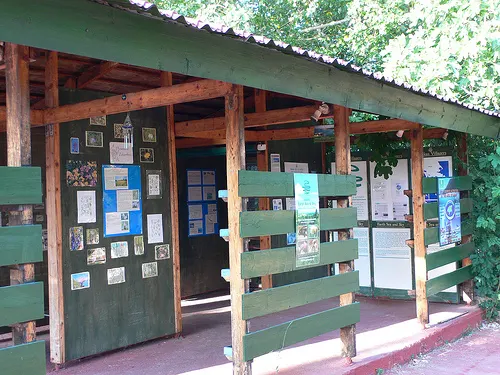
{"points": [[118, 288]]}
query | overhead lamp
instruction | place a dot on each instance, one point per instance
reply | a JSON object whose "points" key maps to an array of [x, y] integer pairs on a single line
{"points": [[323, 109], [400, 133], [128, 136], [445, 135]]}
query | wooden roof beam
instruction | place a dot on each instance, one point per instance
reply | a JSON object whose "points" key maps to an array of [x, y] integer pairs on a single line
{"points": [[95, 73]]}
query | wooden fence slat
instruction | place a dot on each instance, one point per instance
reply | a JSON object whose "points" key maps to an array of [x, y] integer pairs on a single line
{"points": [[21, 303], [20, 245], [271, 184], [20, 185], [281, 298], [24, 359], [446, 256], [461, 183], [431, 209], [289, 333], [266, 223], [448, 280], [279, 260], [431, 235]]}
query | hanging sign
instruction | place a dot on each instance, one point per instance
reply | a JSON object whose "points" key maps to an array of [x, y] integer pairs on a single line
{"points": [[306, 219], [450, 228]]}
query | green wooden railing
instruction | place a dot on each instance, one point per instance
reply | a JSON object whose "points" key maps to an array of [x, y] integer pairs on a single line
{"points": [[273, 261], [20, 245], [431, 235]]}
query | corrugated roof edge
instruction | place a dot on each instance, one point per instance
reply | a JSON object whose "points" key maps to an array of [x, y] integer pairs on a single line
{"points": [[151, 10]]}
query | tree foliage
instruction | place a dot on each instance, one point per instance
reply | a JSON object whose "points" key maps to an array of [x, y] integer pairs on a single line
{"points": [[451, 47]]}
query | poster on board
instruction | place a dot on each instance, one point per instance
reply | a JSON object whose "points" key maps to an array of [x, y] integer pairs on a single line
{"points": [[307, 224], [360, 200], [450, 227], [202, 202], [122, 200]]}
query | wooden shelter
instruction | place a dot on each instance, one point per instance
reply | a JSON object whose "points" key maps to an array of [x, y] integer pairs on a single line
{"points": [[66, 61]]}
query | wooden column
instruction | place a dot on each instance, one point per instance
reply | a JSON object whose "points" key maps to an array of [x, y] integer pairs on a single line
{"points": [[166, 80], [235, 160], [54, 215], [417, 174], [19, 154], [467, 287], [343, 166], [263, 165]]}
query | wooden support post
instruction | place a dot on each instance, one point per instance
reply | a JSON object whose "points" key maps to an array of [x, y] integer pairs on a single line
{"points": [[54, 215], [166, 80], [417, 174], [343, 167], [263, 165], [19, 154], [467, 287], [235, 159]]}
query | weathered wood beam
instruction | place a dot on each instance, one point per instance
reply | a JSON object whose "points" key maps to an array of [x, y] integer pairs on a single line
{"points": [[54, 215], [417, 174], [235, 160], [36, 117], [381, 126], [343, 167], [19, 154], [94, 73], [198, 142]]}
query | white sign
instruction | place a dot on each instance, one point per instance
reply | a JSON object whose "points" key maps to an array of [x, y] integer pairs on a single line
{"points": [[275, 163], [360, 200], [155, 228], [118, 154], [296, 167], [86, 206]]}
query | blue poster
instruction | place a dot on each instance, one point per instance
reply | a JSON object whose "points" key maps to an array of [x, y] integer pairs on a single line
{"points": [[202, 202], [450, 228], [122, 200]]}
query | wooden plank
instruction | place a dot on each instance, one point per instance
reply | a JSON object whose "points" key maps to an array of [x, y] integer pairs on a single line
{"points": [[21, 303], [380, 126], [166, 80], [280, 336], [20, 245], [279, 260], [263, 223], [279, 134], [431, 209], [343, 167], [57, 318], [419, 225], [431, 235], [11, 178], [235, 161], [461, 183], [95, 73], [25, 359], [271, 184], [446, 256], [162, 96], [448, 280], [286, 297], [116, 34]]}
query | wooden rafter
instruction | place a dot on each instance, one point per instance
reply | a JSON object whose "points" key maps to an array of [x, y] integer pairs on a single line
{"points": [[95, 73]]}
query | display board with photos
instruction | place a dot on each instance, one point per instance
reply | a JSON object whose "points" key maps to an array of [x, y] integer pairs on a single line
{"points": [[117, 274], [202, 202]]}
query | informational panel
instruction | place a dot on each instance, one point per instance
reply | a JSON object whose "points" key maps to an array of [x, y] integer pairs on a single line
{"points": [[388, 200], [392, 258], [363, 263], [202, 202], [122, 200], [360, 200], [118, 291], [439, 166]]}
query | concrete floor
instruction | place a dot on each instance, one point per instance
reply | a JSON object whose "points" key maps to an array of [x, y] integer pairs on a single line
{"points": [[385, 326], [477, 354]]}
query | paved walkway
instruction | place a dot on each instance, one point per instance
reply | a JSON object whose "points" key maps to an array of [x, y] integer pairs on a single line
{"points": [[477, 354]]}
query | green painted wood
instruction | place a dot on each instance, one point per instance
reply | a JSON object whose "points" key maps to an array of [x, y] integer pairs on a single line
{"points": [[431, 235], [20, 245], [21, 303], [266, 223], [462, 183], [431, 209], [280, 336], [443, 282], [87, 28], [272, 300], [24, 359], [20, 185], [446, 256], [271, 184], [279, 260]]}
